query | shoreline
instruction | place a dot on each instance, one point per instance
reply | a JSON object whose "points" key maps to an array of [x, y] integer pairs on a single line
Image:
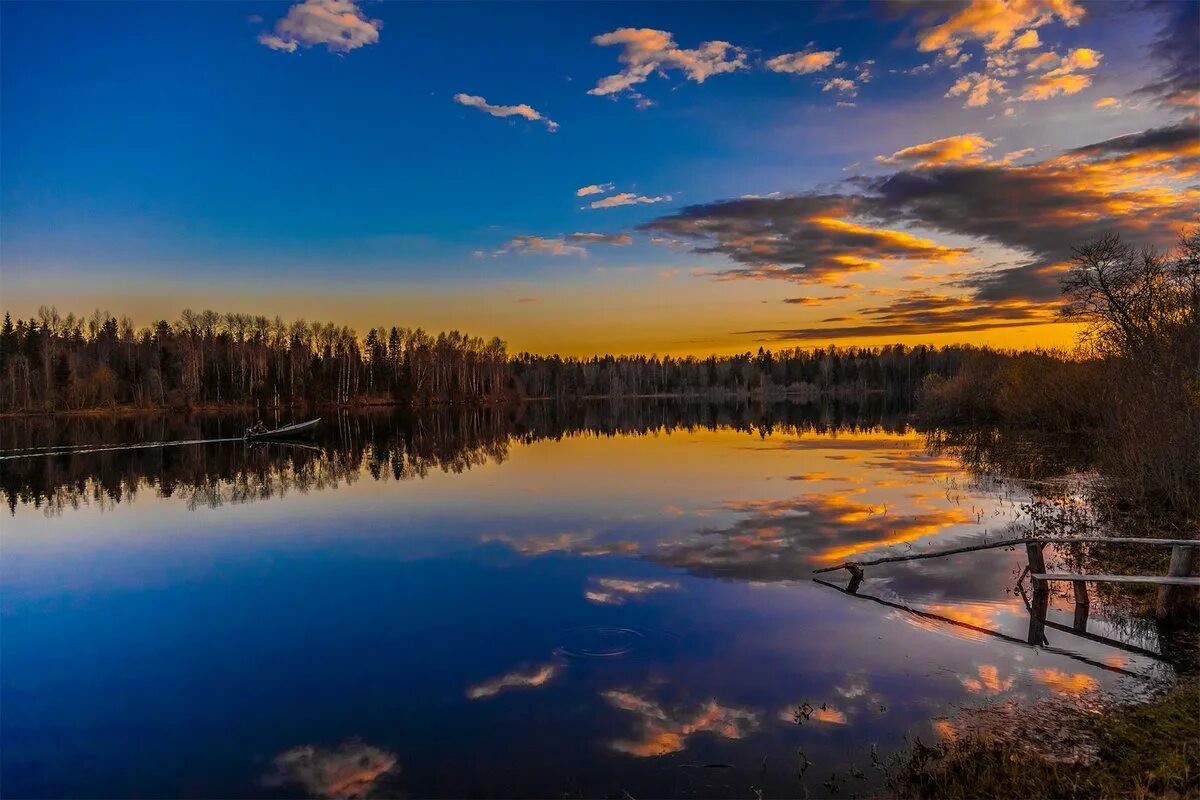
{"points": [[209, 408]]}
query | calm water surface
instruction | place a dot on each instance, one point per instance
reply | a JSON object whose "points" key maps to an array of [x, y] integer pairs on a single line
{"points": [[521, 603]]}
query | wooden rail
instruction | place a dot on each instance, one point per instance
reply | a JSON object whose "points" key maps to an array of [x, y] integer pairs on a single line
{"points": [[1177, 577], [1042, 540], [1005, 637], [1161, 580]]}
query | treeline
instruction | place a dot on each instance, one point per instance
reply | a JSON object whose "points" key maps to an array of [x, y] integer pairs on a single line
{"points": [[56, 363]]}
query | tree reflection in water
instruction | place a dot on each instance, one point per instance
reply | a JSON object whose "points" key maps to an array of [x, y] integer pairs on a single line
{"points": [[384, 445]]}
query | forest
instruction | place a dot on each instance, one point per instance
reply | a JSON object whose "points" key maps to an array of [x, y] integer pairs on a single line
{"points": [[53, 363]]}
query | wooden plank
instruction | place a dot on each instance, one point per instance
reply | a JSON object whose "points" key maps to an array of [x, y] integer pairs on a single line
{"points": [[1120, 540], [1013, 543], [1161, 580]]}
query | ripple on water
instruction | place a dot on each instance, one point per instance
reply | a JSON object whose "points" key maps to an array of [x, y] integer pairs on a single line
{"points": [[599, 641]]}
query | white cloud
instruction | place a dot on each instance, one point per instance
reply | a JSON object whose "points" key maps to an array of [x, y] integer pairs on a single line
{"points": [[541, 246], [843, 86], [619, 239], [647, 51], [520, 110], [804, 62], [628, 199], [340, 25], [571, 245], [593, 188]]}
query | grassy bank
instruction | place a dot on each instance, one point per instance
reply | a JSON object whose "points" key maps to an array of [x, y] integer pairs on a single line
{"points": [[1151, 750]]}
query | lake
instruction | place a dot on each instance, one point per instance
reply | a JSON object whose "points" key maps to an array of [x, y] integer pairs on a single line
{"points": [[535, 601]]}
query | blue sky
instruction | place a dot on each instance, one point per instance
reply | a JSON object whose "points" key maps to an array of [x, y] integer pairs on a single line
{"points": [[154, 152]]}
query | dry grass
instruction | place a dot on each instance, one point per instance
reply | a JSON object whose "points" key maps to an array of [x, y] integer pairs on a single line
{"points": [[1145, 751]]}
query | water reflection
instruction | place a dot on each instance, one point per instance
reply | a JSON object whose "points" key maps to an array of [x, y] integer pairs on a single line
{"points": [[661, 732], [72, 462], [529, 679], [350, 771], [615, 591], [533, 601]]}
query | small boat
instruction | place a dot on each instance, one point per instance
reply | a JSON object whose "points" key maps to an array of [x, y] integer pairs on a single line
{"points": [[287, 431]]}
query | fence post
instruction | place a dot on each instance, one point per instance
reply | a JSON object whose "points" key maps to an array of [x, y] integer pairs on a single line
{"points": [[1181, 565], [1081, 604], [1041, 594]]}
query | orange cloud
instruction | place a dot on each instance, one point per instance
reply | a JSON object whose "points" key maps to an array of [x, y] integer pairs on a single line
{"points": [[350, 771], [513, 680], [804, 62], [646, 51], [978, 88], [593, 188], [1042, 61], [988, 682], [664, 732], [1053, 85], [1065, 79], [1064, 683], [995, 22], [1027, 41], [522, 110], [966, 148], [340, 25], [828, 715]]}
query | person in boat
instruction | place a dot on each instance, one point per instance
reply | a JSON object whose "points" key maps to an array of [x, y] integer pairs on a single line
{"points": [[258, 427]]}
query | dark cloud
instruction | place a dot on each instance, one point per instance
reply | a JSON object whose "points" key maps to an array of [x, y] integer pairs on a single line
{"points": [[805, 238], [1172, 138], [875, 329], [922, 312], [815, 301], [1177, 51], [1140, 184]]}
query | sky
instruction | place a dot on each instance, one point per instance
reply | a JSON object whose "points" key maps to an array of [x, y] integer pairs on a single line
{"points": [[593, 177]]}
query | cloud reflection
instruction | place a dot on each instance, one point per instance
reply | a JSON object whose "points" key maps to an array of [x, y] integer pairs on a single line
{"points": [[785, 539], [1064, 683], [615, 591], [350, 771], [517, 679], [580, 544], [988, 682], [663, 732]]}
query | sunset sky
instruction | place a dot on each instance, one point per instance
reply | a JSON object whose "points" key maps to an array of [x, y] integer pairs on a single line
{"points": [[581, 178]]}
